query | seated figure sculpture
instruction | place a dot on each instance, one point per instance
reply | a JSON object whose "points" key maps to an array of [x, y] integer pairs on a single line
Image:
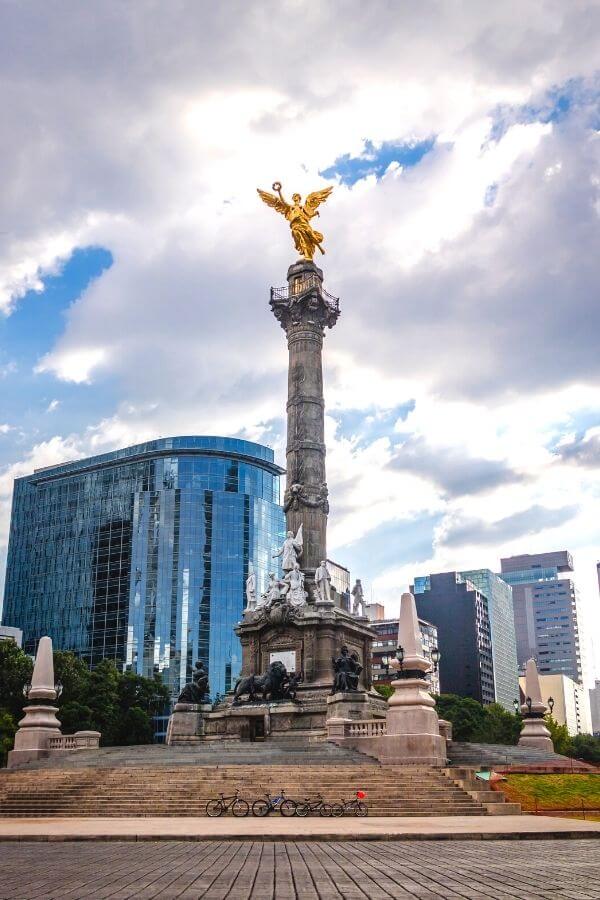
{"points": [[346, 671], [197, 689]]}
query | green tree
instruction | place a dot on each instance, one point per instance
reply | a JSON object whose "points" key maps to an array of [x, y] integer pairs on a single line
{"points": [[74, 676], [467, 715], [75, 716], [103, 700], [498, 727], [561, 739], [586, 747], [386, 690], [15, 671], [134, 727], [8, 726]]}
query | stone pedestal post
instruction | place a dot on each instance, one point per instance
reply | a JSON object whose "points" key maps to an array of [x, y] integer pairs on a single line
{"points": [[347, 707], [186, 725], [534, 732], [39, 722], [413, 730]]}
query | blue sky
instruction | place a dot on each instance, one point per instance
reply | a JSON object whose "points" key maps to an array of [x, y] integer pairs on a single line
{"points": [[462, 233], [375, 160], [36, 405]]}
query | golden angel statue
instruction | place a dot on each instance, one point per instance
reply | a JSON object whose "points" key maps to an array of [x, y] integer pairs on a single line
{"points": [[306, 238]]}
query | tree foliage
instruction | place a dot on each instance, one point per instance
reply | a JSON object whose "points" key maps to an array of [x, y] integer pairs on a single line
{"points": [[471, 721], [15, 671], [119, 705], [586, 747], [386, 690], [561, 739]]}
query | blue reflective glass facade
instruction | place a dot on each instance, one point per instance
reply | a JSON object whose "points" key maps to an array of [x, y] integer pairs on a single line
{"points": [[141, 555]]}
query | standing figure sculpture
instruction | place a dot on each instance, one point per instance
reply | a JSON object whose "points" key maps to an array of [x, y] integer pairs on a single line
{"points": [[306, 238], [291, 550], [251, 588], [358, 599], [323, 582], [294, 579], [346, 672]]}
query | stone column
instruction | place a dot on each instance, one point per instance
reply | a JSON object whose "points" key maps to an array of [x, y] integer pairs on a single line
{"points": [[534, 732], [39, 723], [413, 730], [304, 309]]}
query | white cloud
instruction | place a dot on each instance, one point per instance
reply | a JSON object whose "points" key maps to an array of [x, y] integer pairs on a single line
{"points": [[147, 132]]}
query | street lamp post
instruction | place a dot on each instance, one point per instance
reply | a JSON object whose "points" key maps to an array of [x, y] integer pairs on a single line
{"points": [[435, 657]]}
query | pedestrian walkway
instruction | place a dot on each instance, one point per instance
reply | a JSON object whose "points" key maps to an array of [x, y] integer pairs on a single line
{"points": [[278, 828], [301, 870]]}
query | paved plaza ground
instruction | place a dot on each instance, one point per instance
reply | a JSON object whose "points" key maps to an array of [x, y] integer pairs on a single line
{"points": [[192, 828], [321, 870]]}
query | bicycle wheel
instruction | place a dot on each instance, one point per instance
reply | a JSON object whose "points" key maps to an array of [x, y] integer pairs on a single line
{"points": [[337, 809], [240, 808], [260, 808], [215, 808], [302, 809], [361, 809], [325, 809], [288, 808]]}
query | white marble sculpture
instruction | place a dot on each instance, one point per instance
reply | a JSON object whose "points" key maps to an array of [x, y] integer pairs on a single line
{"points": [[291, 550], [251, 588], [323, 582], [274, 591], [294, 580], [358, 599]]}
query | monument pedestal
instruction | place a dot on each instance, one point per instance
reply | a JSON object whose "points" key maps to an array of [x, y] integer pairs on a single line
{"points": [[535, 734], [187, 723], [348, 707], [413, 730]]}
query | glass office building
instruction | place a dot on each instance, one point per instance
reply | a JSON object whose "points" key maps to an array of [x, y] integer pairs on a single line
{"points": [[502, 629], [141, 555]]}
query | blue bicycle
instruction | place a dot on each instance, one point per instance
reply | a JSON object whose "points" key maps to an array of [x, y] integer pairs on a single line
{"points": [[269, 805]]}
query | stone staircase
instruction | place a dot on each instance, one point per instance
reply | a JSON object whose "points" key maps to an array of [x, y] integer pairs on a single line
{"points": [[183, 791], [178, 781], [476, 755]]}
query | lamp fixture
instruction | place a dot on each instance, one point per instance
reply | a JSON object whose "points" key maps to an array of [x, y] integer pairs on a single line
{"points": [[400, 656], [435, 657], [550, 704]]}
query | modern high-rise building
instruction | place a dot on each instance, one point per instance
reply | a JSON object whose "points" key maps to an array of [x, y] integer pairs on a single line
{"points": [[502, 628], [547, 613], [459, 611], [386, 642], [141, 555]]}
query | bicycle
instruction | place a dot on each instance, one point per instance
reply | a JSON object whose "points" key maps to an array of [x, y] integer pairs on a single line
{"points": [[269, 805], [307, 806], [238, 807], [355, 806]]}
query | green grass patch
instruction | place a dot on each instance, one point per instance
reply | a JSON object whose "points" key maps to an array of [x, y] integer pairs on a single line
{"points": [[552, 791]]}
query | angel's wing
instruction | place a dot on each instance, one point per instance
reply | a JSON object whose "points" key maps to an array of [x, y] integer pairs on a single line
{"points": [[313, 200], [271, 200]]}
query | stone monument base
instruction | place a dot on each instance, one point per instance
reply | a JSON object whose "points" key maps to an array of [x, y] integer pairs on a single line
{"points": [[187, 723], [348, 706], [535, 734]]}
